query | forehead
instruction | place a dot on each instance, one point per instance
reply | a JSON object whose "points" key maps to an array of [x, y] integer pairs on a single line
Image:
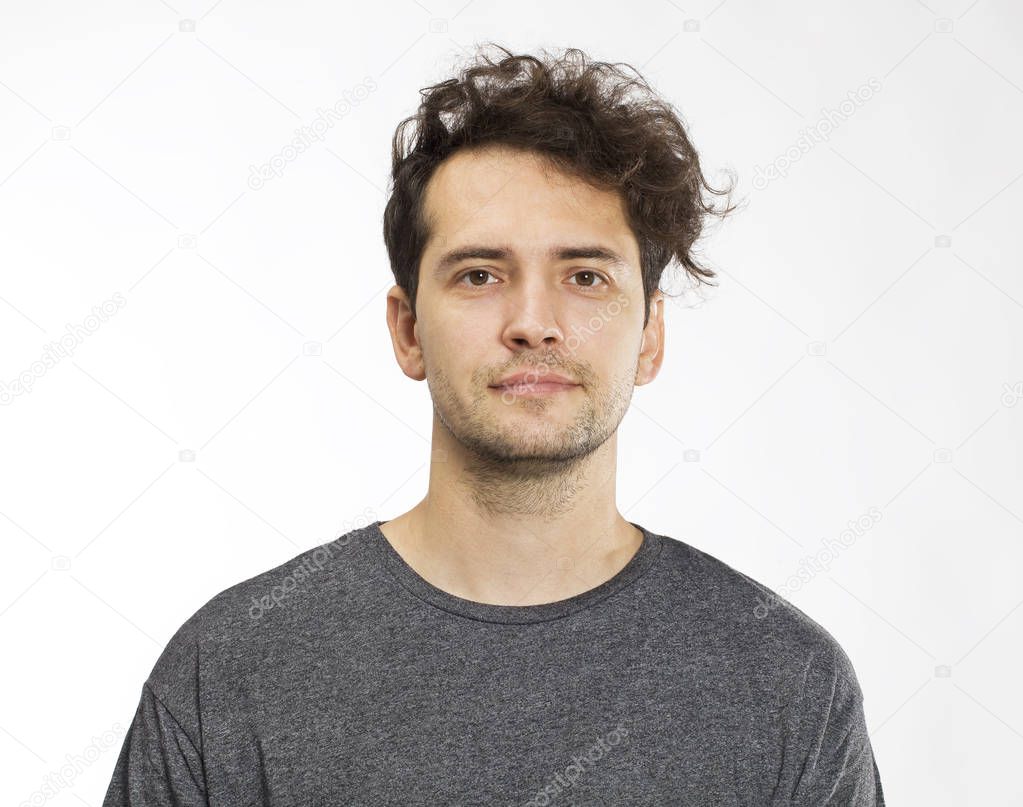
{"points": [[516, 197]]}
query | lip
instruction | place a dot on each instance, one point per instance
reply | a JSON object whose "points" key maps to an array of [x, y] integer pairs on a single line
{"points": [[519, 380]]}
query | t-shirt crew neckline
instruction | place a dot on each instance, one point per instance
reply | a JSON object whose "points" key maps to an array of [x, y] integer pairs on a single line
{"points": [[409, 578]]}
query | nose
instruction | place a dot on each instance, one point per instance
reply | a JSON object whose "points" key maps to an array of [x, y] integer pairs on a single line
{"points": [[531, 319]]}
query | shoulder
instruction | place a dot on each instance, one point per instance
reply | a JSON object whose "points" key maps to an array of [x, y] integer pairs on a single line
{"points": [[249, 618], [749, 624]]}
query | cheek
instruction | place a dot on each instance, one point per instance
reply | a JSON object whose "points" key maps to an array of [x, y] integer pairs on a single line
{"points": [[464, 340], [614, 342], [461, 352]]}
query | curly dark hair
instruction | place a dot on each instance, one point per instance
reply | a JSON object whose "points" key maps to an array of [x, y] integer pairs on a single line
{"points": [[579, 115]]}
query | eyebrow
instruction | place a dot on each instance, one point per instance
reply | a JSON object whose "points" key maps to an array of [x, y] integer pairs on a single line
{"points": [[562, 253]]}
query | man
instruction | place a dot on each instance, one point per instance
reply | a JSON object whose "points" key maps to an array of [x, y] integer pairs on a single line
{"points": [[512, 639]]}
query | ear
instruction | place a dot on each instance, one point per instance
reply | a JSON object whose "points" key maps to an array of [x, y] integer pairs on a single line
{"points": [[651, 351], [404, 334]]}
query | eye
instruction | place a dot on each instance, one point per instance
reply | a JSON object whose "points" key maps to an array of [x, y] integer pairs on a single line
{"points": [[592, 273], [464, 275]]}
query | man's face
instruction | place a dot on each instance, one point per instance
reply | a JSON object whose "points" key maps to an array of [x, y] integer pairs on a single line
{"points": [[523, 304]]}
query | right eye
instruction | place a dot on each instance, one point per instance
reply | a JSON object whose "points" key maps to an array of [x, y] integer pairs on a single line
{"points": [[474, 272]]}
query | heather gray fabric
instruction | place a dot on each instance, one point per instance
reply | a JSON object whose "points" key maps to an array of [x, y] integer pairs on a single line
{"points": [[343, 677]]}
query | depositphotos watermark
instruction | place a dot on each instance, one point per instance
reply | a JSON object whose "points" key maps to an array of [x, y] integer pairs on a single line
{"points": [[1012, 394], [812, 565], [830, 120], [54, 352], [311, 563], [307, 135], [580, 762]]}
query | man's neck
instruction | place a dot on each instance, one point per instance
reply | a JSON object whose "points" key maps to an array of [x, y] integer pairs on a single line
{"points": [[517, 567], [520, 538]]}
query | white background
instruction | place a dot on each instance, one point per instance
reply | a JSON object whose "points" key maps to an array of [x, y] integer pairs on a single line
{"points": [[864, 348]]}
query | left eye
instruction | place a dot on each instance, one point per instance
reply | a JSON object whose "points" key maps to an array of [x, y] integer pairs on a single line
{"points": [[590, 272]]}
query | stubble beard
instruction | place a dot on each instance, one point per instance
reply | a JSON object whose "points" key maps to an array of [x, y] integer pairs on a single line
{"points": [[523, 461]]}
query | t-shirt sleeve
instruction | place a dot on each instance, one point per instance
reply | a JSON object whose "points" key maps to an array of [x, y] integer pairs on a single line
{"points": [[159, 764], [828, 757], [161, 761]]}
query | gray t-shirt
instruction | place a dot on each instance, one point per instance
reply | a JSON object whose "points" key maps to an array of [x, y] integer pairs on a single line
{"points": [[343, 677]]}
